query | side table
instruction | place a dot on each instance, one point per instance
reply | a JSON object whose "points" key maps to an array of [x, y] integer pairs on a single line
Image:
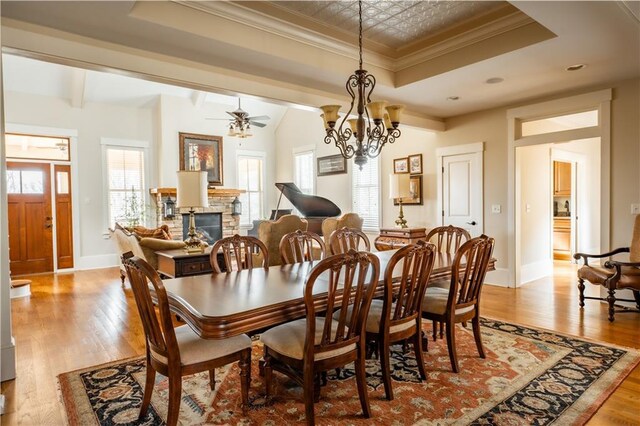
{"points": [[392, 238], [178, 263]]}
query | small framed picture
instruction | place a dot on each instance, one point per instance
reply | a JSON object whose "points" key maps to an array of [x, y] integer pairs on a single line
{"points": [[415, 164], [332, 165], [400, 165]]}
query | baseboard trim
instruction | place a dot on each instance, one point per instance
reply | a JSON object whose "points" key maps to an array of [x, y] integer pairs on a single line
{"points": [[499, 278], [8, 362], [97, 262], [536, 270]]}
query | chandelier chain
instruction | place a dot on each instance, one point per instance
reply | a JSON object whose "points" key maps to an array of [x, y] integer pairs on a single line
{"points": [[360, 30]]}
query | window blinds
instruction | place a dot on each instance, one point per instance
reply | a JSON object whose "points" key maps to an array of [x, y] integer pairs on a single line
{"points": [[366, 193], [126, 185]]}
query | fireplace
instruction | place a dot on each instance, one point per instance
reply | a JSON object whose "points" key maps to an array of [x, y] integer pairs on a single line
{"points": [[208, 225]]}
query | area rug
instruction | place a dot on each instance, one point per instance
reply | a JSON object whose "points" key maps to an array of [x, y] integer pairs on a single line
{"points": [[529, 376]]}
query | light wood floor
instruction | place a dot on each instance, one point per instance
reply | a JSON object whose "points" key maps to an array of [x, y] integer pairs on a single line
{"points": [[85, 318]]}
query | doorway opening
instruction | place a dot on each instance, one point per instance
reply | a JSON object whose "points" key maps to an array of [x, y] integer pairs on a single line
{"points": [[39, 204]]}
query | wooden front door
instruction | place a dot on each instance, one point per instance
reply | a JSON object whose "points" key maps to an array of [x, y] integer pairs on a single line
{"points": [[30, 219], [64, 224]]}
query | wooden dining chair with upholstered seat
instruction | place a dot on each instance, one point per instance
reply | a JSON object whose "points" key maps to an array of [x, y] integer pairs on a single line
{"points": [[616, 275], [397, 317], [447, 240], [306, 348], [301, 246], [239, 252], [344, 239], [461, 301], [179, 352]]}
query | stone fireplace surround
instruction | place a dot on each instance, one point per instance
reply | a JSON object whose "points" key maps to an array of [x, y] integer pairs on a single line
{"points": [[220, 201]]}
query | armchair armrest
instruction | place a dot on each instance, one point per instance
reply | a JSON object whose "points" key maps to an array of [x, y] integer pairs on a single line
{"points": [[616, 264], [156, 244], [586, 256]]}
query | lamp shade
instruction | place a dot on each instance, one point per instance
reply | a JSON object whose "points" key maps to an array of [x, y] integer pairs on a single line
{"points": [[399, 186], [192, 189]]}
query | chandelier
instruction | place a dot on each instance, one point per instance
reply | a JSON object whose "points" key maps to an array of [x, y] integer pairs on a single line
{"points": [[368, 138]]}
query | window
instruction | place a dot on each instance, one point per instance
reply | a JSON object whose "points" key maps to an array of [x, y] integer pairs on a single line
{"points": [[125, 180], [304, 171], [250, 176], [366, 193], [36, 147]]}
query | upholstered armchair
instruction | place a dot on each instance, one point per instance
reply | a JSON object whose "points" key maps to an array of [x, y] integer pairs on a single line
{"points": [[144, 248], [615, 275], [349, 220], [270, 233]]}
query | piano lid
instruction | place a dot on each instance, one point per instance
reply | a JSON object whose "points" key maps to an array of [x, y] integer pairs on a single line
{"points": [[308, 205]]}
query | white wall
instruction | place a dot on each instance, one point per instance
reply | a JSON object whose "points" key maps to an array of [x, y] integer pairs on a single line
{"points": [[533, 196]]}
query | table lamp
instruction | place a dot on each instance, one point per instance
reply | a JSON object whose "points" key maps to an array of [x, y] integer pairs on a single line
{"points": [[192, 192], [399, 189]]}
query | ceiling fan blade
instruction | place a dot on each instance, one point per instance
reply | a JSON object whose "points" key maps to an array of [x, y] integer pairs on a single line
{"points": [[257, 124], [259, 117], [222, 119], [232, 114]]}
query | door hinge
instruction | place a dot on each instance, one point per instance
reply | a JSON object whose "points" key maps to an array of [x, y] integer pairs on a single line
{"points": [[442, 169], [442, 213]]}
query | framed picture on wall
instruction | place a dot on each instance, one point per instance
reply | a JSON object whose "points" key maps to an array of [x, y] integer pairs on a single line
{"points": [[415, 164], [332, 165], [401, 165], [204, 153], [415, 189]]}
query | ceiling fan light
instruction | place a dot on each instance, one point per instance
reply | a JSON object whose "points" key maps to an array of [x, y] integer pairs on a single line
{"points": [[395, 111], [376, 110]]}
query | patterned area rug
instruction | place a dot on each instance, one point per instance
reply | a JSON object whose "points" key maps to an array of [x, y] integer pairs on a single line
{"points": [[530, 376]]}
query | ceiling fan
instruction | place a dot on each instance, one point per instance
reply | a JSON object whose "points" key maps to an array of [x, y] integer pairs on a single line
{"points": [[240, 123]]}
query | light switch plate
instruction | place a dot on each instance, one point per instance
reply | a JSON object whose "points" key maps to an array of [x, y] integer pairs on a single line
{"points": [[635, 208], [496, 208]]}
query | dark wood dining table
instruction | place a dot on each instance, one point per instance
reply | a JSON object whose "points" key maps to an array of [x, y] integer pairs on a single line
{"points": [[228, 304]]}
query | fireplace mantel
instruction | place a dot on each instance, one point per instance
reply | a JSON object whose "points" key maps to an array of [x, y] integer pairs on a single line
{"points": [[213, 192]]}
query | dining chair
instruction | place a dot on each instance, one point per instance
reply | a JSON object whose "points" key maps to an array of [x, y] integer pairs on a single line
{"points": [[308, 347], [298, 246], [397, 316], [179, 352], [461, 301], [344, 239], [243, 252], [448, 240]]}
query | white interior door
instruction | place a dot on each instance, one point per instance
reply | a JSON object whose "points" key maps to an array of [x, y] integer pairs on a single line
{"points": [[462, 192]]}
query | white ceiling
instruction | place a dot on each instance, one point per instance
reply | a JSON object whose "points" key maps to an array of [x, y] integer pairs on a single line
{"points": [[605, 35], [35, 77]]}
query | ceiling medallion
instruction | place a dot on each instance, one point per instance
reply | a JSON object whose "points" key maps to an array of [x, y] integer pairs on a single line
{"points": [[368, 139]]}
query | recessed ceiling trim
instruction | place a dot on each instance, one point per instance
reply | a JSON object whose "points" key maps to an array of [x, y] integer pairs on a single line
{"points": [[261, 21]]}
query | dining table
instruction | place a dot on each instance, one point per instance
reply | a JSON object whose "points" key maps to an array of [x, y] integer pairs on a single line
{"points": [[218, 306]]}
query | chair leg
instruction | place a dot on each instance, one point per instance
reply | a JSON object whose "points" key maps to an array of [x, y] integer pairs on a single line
{"points": [[636, 295], [475, 322], [417, 349], [245, 378], [148, 390], [383, 351], [611, 298], [212, 379], [308, 387], [435, 330], [451, 344], [268, 374], [361, 380], [581, 290], [441, 330], [317, 380], [122, 277], [175, 392]]}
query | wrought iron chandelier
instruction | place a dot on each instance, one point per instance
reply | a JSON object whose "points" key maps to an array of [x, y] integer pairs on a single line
{"points": [[368, 139]]}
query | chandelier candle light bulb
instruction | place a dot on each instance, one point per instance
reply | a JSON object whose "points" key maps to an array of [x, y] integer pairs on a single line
{"points": [[368, 138]]}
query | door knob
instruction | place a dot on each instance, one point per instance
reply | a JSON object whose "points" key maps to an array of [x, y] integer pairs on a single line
{"points": [[472, 223]]}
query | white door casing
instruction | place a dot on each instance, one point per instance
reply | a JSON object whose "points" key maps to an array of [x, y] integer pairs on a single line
{"points": [[460, 191]]}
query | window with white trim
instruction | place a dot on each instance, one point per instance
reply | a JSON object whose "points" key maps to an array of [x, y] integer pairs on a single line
{"points": [[366, 193], [250, 179], [125, 185], [304, 171]]}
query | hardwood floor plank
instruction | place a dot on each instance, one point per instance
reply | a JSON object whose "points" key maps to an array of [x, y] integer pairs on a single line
{"points": [[76, 320]]}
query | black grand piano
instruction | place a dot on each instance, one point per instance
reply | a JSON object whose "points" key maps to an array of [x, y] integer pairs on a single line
{"points": [[313, 208]]}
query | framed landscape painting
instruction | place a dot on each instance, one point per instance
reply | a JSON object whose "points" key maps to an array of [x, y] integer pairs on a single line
{"points": [[332, 165], [203, 153]]}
